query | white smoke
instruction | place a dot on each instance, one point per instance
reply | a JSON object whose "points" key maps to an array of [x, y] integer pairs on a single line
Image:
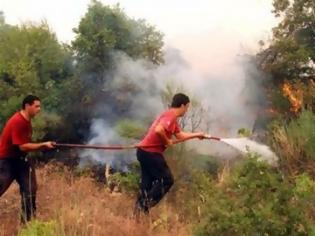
{"points": [[102, 133], [232, 95]]}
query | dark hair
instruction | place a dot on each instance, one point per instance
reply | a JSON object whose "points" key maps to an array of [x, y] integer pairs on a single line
{"points": [[179, 99], [29, 99]]}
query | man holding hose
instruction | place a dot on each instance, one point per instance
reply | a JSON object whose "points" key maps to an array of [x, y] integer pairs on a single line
{"points": [[156, 177], [15, 143]]}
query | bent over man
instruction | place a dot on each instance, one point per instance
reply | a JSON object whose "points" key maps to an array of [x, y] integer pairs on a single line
{"points": [[15, 142], [156, 177]]}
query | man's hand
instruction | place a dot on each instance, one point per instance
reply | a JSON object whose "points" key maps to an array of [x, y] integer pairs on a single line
{"points": [[169, 142], [49, 145], [200, 135]]}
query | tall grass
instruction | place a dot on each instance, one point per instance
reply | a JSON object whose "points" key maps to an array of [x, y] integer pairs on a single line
{"points": [[79, 206], [294, 143], [39, 228]]}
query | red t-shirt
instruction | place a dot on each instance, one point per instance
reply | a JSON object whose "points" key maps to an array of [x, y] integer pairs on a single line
{"points": [[169, 122], [17, 131]]}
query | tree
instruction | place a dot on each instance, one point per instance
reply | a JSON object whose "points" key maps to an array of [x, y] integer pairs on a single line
{"points": [[104, 30], [291, 54], [31, 62], [103, 34], [290, 58]]}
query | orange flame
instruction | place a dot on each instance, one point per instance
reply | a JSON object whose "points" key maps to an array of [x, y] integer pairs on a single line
{"points": [[294, 96]]}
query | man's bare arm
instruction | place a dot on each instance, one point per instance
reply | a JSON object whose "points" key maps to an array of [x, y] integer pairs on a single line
{"points": [[183, 136], [28, 147]]}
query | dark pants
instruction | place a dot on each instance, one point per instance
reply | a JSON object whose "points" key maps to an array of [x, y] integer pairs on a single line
{"points": [[156, 179], [24, 173]]}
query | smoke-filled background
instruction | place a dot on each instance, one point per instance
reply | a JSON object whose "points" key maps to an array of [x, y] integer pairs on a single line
{"points": [[230, 97], [206, 50]]}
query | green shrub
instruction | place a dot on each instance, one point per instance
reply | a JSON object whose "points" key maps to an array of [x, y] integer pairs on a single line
{"points": [[39, 228], [43, 124], [255, 200], [130, 129], [304, 192], [301, 133], [305, 187], [294, 143], [190, 195], [126, 181], [243, 132], [8, 108]]}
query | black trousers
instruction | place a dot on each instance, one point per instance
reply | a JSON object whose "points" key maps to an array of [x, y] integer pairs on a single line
{"points": [[23, 172], [156, 179]]}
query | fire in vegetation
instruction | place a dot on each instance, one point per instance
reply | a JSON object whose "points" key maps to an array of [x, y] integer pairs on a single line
{"points": [[295, 96]]}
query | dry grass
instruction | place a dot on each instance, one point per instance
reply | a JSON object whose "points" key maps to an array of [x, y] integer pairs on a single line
{"points": [[292, 144], [82, 207]]}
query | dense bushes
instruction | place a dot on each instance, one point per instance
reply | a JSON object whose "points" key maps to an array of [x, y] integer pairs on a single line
{"points": [[294, 143], [256, 200]]}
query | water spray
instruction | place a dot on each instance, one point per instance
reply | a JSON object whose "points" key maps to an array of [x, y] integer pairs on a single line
{"points": [[245, 145]]}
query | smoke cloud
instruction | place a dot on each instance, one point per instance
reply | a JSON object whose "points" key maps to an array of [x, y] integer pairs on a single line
{"points": [[230, 93], [102, 133]]}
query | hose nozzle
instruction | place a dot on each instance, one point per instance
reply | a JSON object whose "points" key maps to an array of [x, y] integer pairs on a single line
{"points": [[208, 136]]}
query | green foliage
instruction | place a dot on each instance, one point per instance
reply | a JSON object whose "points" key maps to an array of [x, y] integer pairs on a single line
{"points": [[194, 178], [32, 62], [296, 15], [206, 163], [130, 129], [294, 143], [254, 200], [43, 124], [10, 106], [102, 34], [30, 59], [39, 228], [104, 29], [301, 133], [191, 193], [305, 190], [128, 182], [290, 57], [291, 61], [243, 132]]}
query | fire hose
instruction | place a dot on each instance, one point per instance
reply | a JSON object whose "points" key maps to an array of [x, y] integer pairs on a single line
{"points": [[122, 147]]}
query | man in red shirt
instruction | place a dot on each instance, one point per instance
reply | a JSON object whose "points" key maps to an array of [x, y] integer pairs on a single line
{"points": [[156, 177], [15, 142]]}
